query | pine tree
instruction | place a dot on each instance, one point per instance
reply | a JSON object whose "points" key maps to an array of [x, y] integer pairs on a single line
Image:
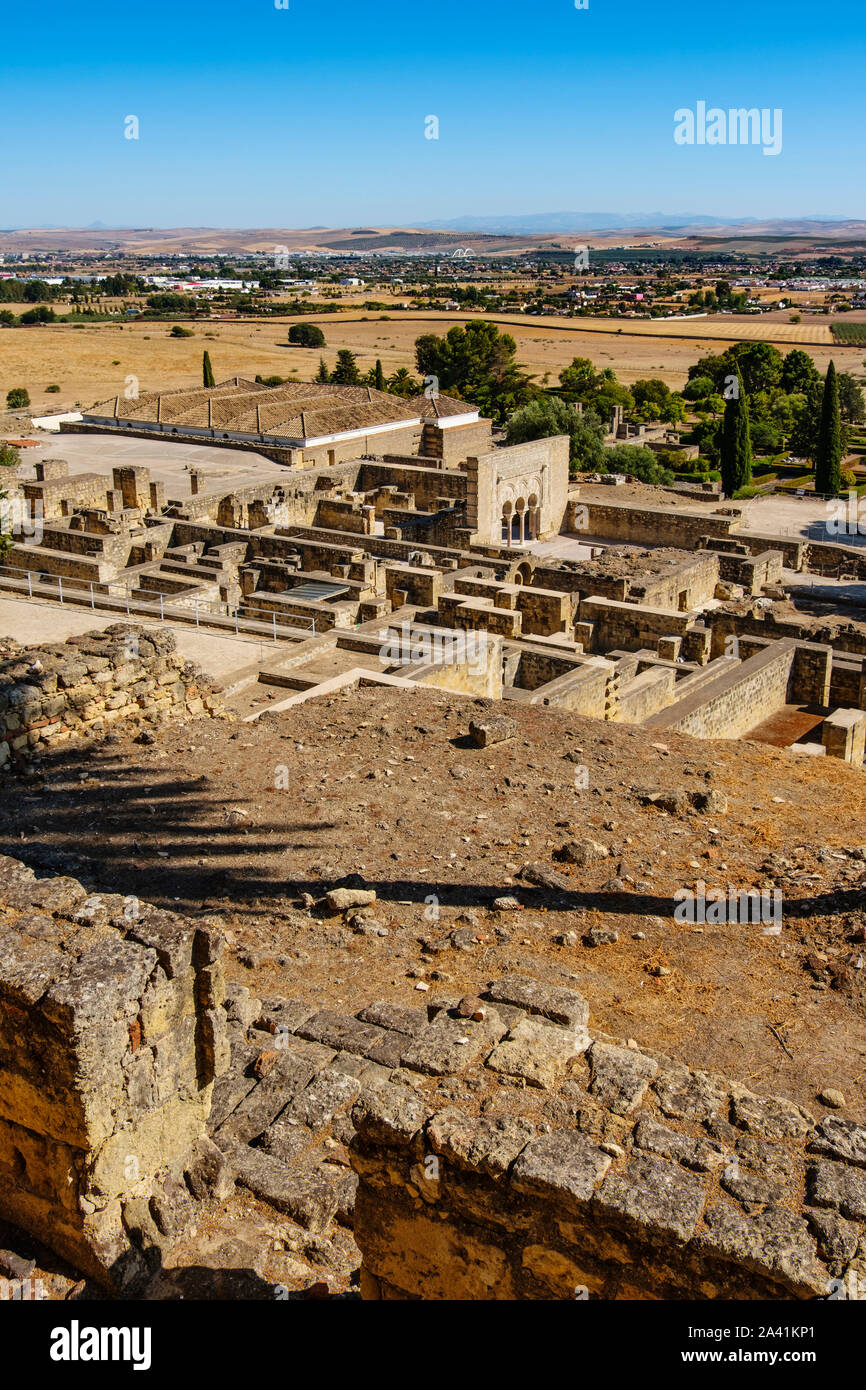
{"points": [[323, 375], [207, 370], [828, 456], [379, 380], [346, 371], [736, 451]]}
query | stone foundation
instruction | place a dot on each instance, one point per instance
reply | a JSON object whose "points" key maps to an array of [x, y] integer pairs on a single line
{"points": [[588, 1167]]}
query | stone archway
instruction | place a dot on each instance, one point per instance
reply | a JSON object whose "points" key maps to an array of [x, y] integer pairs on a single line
{"points": [[507, 520], [532, 505]]}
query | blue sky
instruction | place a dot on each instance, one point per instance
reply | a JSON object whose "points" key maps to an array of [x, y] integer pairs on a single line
{"points": [[252, 116]]}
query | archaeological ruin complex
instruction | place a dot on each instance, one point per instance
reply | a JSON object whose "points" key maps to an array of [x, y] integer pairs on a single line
{"points": [[204, 1017]]}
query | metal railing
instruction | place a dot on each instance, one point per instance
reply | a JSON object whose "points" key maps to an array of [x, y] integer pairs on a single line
{"points": [[149, 603]]}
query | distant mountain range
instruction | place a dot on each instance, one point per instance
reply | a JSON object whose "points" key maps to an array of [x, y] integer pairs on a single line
{"points": [[541, 223], [506, 235]]}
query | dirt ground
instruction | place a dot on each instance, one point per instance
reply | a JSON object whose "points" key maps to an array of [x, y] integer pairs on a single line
{"points": [[245, 818]]}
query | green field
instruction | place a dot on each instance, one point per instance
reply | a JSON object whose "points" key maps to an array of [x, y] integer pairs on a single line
{"points": [[849, 334]]}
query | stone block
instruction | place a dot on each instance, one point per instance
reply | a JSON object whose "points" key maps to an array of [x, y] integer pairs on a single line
{"points": [[538, 1050], [563, 1006]]}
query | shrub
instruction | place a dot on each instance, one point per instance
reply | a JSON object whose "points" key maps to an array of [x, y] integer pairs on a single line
{"points": [[178, 332], [52, 389], [18, 398]]}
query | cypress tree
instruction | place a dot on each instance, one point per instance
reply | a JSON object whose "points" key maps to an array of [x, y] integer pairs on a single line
{"points": [[379, 381], [736, 449], [322, 375], [207, 370], [828, 456]]}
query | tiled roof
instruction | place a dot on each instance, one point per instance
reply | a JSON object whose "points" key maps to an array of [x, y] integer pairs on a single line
{"points": [[434, 407], [296, 410]]}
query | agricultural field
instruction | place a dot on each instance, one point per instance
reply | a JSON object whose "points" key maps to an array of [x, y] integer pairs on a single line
{"points": [[846, 333], [90, 362]]}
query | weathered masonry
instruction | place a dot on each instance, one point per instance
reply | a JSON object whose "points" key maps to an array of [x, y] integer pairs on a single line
{"points": [[616, 1174], [126, 674], [112, 1033], [136, 1085]]}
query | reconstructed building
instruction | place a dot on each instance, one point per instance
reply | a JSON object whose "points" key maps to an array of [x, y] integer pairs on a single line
{"points": [[305, 423]]}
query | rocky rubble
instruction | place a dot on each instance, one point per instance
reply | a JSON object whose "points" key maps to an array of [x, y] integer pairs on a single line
{"points": [[51, 694]]}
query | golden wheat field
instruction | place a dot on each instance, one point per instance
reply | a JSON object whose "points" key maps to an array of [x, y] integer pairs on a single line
{"points": [[94, 362]]}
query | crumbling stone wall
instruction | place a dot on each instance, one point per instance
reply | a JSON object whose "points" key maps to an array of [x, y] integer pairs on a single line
{"points": [[51, 694], [616, 1173], [842, 636], [628, 627], [112, 1032]]}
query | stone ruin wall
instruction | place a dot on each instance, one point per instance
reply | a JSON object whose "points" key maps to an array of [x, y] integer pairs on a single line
{"points": [[112, 1033], [51, 694], [736, 701], [501, 1148], [616, 1174]]}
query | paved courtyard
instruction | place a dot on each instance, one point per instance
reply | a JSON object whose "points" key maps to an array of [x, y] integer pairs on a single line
{"points": [[224, 469]]}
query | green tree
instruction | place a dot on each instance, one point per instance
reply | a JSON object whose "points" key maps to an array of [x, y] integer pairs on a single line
{"points": [[577, 379], [807, 420], [378, 382], [306, 335], [736, 444], [851, 403], [714, 366], [477, 363], [18, 398], [798, 372], [765, 437], [41, 314], [638, 461], [402, 383], [606, 395], [346, 371], [759, 365], [828, 455], [547, 416], [656, 401], [323, 376], [36, 291], [698, 388], [207, 370]]}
